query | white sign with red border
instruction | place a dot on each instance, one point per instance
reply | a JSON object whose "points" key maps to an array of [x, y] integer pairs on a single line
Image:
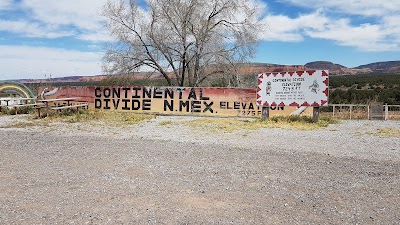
{"points": [[300, 88]]}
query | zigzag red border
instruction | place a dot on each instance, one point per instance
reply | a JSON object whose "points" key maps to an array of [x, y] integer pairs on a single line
{"points": [[300, 74], [314, 104]]}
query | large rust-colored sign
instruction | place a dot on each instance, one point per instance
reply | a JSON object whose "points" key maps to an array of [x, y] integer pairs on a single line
{"points": [[172, 100]]}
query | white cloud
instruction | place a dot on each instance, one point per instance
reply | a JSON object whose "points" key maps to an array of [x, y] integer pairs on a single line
{"points": [[23, 61], [392, 27], [5, 4], [82, 14], [329, 20], [54, 19], [283, 28], [334, 20], [354, 7], [367, 37], [32, 29], [96, 36]]}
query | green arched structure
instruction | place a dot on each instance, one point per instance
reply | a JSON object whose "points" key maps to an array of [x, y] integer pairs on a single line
{"points": [[13, 88]]}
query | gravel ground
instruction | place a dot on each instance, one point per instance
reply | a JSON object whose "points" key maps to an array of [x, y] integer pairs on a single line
{"points": [[81, 173]]}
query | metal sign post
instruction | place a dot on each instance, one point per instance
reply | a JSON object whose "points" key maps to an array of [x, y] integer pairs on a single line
{"points": [[316, 111], [265, 113]]}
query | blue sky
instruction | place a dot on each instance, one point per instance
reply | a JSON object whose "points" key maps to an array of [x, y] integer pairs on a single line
{"points": [[39, 38]]}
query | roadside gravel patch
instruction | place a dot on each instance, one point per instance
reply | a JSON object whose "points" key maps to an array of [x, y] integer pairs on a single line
{"points": [[350, 138], [93, 173]]}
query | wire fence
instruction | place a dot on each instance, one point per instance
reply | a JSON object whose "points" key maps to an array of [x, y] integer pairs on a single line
{"points": [[393, 112], [350, 111]]}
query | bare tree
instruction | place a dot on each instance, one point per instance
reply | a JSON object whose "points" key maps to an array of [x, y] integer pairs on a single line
{"points": [[186, 41]]}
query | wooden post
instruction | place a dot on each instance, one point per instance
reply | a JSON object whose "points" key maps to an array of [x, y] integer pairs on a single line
{"points": [[265, 113], [351, 110], [38, 110], [386, 112], [316, 111]]}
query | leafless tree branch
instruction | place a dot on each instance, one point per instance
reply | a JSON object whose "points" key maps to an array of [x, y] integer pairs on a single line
{"points": [[184, 40]]}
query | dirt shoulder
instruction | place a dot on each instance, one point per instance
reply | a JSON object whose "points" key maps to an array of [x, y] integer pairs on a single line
{"points": [[171, 174]]}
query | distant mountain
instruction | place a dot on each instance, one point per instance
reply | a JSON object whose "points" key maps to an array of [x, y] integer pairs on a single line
{"points": [[336, 69], [73, 79], [323, 65], [383, 67], [55, 79], [257, 68]]}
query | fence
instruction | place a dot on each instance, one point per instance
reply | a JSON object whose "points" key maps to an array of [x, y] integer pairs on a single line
{"points": [[350, 111]]}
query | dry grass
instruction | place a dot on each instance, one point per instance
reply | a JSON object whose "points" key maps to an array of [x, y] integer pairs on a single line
{"points": [[394, 115], [11, 111], [165, 123], [231, 124], [20, 125], [114, 118], [382, 132], [389, 132], [109, 117], [346, 115]]}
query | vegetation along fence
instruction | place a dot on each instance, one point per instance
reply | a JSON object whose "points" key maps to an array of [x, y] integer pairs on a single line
{"points": [[352, 111]]}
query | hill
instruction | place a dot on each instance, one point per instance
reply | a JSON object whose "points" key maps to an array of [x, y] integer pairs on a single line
{"points": [[324, 65], [383, 67], [248, 69], [337, 69]]}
